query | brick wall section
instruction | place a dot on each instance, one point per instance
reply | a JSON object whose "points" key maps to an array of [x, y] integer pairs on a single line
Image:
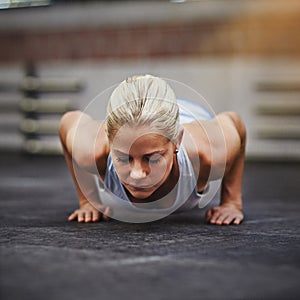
{"points": [[262, 35]]}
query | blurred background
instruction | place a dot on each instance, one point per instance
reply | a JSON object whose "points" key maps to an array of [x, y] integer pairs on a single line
{"points": [[241, 55]]}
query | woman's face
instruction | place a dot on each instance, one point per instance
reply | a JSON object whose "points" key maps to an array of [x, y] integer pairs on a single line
{"points": [[143, 159]]}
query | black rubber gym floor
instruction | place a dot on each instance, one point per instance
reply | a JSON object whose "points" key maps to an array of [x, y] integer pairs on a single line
{"points": [[180, 257]]}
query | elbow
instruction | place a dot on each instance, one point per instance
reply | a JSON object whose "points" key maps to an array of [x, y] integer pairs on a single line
{"points": [[74, 141], [84, 161]]}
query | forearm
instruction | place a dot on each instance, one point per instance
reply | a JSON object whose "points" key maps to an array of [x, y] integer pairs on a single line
{"points": [[231, 192], [85, 182]]}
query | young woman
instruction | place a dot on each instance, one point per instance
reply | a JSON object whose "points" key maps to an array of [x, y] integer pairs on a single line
{"points": [[149, 148]]}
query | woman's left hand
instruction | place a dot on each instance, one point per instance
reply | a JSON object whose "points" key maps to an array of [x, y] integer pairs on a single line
{"points": [[224, 214]]}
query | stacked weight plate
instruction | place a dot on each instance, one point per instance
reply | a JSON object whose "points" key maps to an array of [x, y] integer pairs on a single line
{"points": [[42, 106]]}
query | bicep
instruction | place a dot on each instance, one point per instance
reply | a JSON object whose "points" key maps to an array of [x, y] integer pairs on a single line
{"points": [[68, 126], [234, 134], [78, 132], [218, 143]]}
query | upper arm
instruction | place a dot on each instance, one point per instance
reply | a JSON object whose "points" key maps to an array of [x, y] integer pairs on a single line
{"points": [[239, 126], [234, 132], [69, 127], [218, 143], [83, 138]]}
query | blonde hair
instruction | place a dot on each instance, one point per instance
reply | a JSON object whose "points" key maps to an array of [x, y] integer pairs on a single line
{"points": [[143, 100]]}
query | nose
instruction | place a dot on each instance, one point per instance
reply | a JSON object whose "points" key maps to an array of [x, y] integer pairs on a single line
{"points": [[138, 171]]}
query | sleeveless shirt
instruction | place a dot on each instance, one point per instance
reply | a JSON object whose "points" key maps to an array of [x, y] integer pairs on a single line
{"points": [[187, 196]]}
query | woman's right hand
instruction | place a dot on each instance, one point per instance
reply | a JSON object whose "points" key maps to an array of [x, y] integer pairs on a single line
{"points": [[88, 213]]}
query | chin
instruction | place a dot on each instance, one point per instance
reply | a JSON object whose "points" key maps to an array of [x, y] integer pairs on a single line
{"points": [[140, 193]]}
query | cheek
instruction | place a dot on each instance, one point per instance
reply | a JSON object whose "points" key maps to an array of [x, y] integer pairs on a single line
{"points": [[162, 170], [122, 171]]}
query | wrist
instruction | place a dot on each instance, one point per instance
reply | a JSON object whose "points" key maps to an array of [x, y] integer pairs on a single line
{"points": [[230, 203], [82, 201]]}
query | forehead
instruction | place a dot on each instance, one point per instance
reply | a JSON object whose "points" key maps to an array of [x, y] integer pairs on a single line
{"points": [[143, 138]]}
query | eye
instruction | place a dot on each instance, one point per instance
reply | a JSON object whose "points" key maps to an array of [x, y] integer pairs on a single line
{"points": [[154, 159], [124, 159]]}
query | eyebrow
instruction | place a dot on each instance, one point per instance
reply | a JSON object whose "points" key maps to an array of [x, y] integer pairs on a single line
{"points": [[146, 154]]}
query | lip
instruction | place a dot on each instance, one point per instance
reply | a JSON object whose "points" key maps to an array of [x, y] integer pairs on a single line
{"points": [[139, 188]]}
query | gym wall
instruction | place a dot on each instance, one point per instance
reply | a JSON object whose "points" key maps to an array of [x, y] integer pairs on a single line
{"points": [[240, 55]]}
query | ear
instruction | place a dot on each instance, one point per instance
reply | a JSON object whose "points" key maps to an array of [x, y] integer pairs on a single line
{"points": [[179, 139]]}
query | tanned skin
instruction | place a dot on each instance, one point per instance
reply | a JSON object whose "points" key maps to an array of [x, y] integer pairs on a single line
{"points": [[218, 143]]}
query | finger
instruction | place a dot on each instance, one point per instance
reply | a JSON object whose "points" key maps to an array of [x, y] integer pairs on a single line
{"points": [[72, 216], [88, 216], [238, 220], [224, 218], [221, 218], [106, 214], [80, 217], [228, 220], [214, 217], [95, 216], [208, 215], [234, 218]]}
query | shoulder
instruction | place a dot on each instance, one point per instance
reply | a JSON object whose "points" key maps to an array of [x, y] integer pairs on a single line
{"points": [[85, 139], [234, 124], [217, 141], [234, 132]]}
